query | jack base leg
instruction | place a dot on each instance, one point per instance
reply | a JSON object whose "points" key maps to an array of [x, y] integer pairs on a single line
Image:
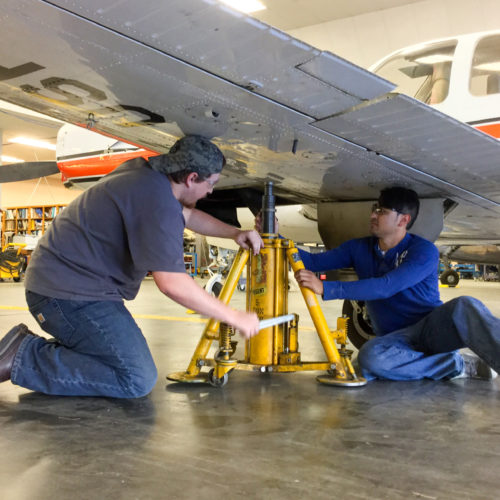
{"points": [[184, 377], [331, 380]]}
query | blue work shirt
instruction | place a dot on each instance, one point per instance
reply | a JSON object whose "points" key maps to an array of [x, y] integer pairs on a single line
{"points": [[400, 287]]}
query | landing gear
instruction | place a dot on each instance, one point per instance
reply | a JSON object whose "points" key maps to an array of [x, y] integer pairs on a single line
{"points": [[359, 328], [450, 278], [217, 288], [214, 284]]}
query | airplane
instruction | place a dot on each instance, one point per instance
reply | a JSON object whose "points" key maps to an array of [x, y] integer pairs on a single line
{"points": [[326, 132], [84, 156], [459, 76]]}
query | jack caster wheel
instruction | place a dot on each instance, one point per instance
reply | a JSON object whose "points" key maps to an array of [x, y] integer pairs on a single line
{"points": [[217, 382]]}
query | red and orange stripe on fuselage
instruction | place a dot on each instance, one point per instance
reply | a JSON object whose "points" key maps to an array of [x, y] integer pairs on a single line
{"points": [[97, 165], [492, 129]]}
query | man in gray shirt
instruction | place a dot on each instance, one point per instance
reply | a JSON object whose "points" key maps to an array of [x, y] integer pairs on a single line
{"points": [[96, 253]]}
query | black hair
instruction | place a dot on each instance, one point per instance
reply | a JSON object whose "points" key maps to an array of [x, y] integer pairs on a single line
{"points": [[403, 200], [181, 176]]}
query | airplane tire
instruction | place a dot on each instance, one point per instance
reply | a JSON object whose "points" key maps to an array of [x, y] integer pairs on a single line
{"points": [[217, 287], [359, 329], [450, 278]]}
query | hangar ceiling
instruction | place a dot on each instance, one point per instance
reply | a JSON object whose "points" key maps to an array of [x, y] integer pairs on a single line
{"points": [[288, 15], [17, 122]]}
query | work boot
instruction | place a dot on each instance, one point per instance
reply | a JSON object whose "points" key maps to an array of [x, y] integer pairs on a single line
{"points": [[9, 346], [475, 367]]}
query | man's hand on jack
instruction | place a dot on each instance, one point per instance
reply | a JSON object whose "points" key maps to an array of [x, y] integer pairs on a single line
{"points": [[250, 239], [247, 323], [309, 280]]}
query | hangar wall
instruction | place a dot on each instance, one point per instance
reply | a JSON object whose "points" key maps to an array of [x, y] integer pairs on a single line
{"points": [[45, 191], [366, 38]]}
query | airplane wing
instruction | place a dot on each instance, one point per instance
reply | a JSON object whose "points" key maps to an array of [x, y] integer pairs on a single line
{"points": [[27, 170], [319, 127]]}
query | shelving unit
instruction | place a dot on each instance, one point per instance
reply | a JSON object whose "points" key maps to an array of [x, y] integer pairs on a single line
{"points": [[191, 263], [22, 221]]}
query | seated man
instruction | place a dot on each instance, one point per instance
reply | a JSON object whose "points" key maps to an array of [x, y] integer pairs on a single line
{"points": [[417, 336], [96, 254]]}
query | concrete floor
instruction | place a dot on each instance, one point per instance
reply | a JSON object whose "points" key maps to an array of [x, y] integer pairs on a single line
{"points": [[262, 436]]}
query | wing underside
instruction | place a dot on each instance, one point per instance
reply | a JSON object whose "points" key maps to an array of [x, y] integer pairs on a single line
{"points": [[318, 126]]}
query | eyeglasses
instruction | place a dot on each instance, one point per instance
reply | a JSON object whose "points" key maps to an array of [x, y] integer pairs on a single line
{"points": [[378, 210], [211, 182]]}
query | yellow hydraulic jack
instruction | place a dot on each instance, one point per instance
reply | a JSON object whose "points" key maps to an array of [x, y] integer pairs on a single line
{"points": [[275, 347]]}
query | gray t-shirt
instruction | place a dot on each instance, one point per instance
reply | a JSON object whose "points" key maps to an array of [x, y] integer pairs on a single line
{"points": [[104, 243]]}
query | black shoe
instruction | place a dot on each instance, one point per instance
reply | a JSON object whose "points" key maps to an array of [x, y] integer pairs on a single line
{"points": [[9, 346], [475, 367]]}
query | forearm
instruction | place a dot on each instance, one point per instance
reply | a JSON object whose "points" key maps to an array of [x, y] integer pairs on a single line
{"points": [[378, 288], [205, 224], [369, 289], [182, 289], [325, 261]]}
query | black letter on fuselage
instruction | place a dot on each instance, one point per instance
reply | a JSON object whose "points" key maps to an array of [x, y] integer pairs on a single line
{"points": [[22, 69], [53, 83]]}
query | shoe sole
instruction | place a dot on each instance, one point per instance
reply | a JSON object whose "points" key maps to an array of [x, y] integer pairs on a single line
{"points": [[11, 337]]}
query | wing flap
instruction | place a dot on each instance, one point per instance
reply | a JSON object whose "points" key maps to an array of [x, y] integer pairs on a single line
{"points": [[411, 133], [346, 76]]}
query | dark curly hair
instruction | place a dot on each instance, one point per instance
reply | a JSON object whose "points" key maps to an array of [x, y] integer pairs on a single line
{"points": [[403, 200]]}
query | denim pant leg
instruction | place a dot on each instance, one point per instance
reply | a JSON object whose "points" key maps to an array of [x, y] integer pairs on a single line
{"points": [[395, 357], [463, 322], [99, 351]]}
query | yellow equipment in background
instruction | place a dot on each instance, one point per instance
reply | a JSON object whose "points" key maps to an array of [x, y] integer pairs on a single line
{"points": [[12, 261], [274, 348]]}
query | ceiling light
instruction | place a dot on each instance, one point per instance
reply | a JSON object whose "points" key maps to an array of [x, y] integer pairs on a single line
{"points": [[33, 142], [492, 66], [11, 159], [246, 6], [434, 59]]}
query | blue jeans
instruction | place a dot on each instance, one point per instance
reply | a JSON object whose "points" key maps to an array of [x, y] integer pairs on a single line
{"points": [[98, 351], [427, 349]]}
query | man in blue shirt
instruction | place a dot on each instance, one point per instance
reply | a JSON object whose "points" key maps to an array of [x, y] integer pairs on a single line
{"points": [[417, 336], [96, 254]]}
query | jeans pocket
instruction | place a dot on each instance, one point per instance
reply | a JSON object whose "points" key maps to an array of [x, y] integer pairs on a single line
{"points": [[35, 300], [50, 316]]}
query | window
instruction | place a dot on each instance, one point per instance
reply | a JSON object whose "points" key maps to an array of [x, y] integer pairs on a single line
{"points": [[485, 72], [422, 72]]}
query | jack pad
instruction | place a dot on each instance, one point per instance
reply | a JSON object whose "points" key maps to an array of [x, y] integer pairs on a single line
{"points": [[185, 378], [331, 380]]}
